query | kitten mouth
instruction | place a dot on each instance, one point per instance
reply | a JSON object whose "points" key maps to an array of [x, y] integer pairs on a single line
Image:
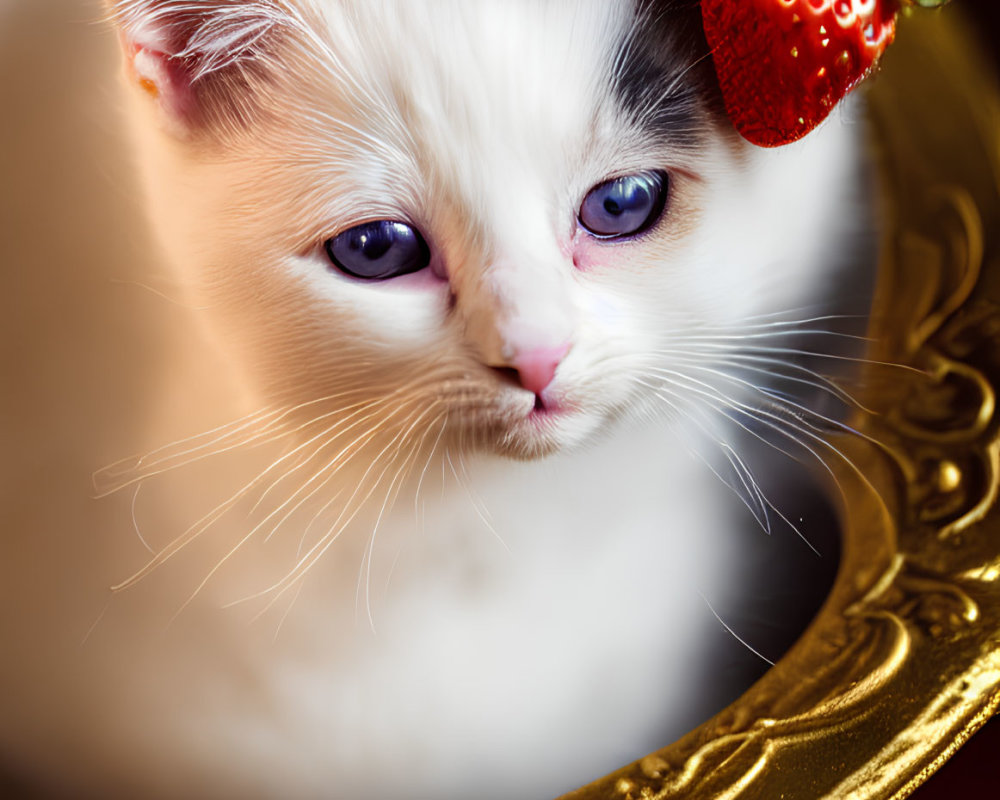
{"points": [[547, 405], [547, 416], [521, 424], [545, 401]]}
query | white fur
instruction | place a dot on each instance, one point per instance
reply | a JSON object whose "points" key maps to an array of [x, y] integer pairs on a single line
{"points": [[434, 652]]}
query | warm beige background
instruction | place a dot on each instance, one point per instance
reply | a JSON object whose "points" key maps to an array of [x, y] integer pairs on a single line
{"points": [[80, 341], [74, 332]]}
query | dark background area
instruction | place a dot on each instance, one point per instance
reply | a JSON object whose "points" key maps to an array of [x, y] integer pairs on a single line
{"points": [[988, 13]]}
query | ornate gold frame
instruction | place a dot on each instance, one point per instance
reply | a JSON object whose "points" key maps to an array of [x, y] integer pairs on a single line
{"points": [[902, 664]]}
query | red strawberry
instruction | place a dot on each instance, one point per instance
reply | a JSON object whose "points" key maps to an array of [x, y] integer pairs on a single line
{"points": [[784, 64]]}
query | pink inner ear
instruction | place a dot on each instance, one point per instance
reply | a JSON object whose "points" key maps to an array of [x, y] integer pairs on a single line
{"points": [[165, 78]]}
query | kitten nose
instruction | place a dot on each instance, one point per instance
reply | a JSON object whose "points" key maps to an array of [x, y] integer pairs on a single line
{"points": [[537, 367]]}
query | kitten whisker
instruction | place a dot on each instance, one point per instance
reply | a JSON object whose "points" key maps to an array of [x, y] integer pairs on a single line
{"points": [[735, 335], [427, 463], [330, 502], [313, 520], [157, 292], [749, 483], [712, 347], [779, 425], [239, 545], [178, 543], [149, 465], [777, 323], [287, 611], [719, 400], [750, 363], [319, 549], [755, 502], [783, 427], [390, 499], [135, 521], [467, 479], [788, 316], [205, 522], [117, 476], [803, 413], [305, 563], [369, 410], [478, 505], [736, 636], [819, 381]]}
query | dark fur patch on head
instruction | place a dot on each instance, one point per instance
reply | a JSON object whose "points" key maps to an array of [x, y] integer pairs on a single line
{"points": [[663, 76]]}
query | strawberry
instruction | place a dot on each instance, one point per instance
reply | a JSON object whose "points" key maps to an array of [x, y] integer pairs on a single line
{"points": [[784, 64]]}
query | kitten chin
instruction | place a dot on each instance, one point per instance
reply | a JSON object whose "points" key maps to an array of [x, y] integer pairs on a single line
{"points": [[425, 235]]}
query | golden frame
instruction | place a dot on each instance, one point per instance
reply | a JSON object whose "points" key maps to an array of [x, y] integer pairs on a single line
{"points": [[902, 664]]}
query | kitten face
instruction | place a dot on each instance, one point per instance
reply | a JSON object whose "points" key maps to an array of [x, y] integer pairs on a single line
{"points": [[274, 128]]}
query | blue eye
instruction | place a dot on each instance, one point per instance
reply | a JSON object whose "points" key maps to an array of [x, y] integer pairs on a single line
{"points": [[379, 250], [625, 205]]}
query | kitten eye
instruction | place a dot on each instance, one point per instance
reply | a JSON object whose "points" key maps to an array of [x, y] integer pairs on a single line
{"points": [[379, 250], [625, 205]]}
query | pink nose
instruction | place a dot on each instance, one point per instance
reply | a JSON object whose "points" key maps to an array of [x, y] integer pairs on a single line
{"points": [[536, 368]]}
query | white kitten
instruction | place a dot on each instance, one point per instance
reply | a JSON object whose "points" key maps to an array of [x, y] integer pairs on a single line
{"points": [[431, 237]]}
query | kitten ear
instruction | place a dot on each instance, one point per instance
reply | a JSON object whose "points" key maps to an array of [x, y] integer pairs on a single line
{"points": [[197, 59]]}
